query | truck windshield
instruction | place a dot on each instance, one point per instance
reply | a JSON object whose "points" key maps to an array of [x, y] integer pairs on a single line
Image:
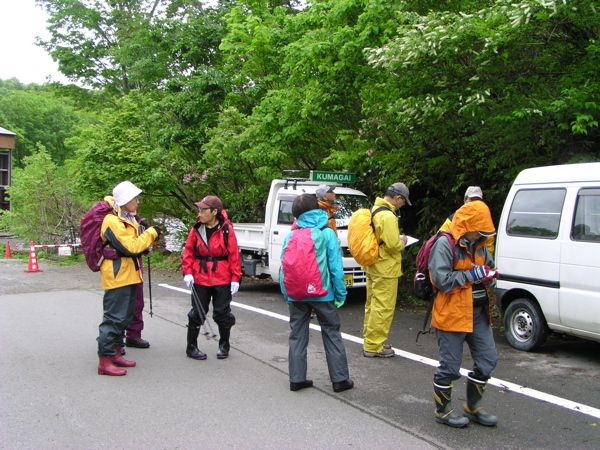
{"points": [[347, 205]]}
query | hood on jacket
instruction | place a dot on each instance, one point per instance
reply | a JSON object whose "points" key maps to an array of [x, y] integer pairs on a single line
{"points": [[379, 201], [472, 216], [111, 201], [315, 218]]}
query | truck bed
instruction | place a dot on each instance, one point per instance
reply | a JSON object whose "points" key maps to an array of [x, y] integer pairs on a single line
{"points": [[251, 236]]}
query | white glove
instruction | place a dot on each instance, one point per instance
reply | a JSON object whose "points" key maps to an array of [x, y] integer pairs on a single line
{"points": [[235, 287], [188, 280]]}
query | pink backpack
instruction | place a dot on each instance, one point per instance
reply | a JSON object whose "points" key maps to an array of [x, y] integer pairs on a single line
{"points": [[301, 275]]}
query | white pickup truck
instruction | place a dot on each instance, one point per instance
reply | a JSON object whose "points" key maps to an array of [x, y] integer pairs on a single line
{"points": [[260, 243]]}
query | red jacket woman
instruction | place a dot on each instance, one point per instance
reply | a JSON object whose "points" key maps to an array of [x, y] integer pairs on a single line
{"points": [[214, 261], [211, 268]]}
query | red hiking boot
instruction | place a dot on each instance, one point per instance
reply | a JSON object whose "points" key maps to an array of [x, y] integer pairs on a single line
{"points": [[106, 367], [118, 359]]}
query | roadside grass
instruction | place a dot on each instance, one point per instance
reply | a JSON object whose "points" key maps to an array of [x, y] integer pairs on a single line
{"points": [[165, 260]]}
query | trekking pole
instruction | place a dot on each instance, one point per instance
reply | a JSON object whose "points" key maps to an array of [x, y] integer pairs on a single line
{"points": [[197, 308], [427, 316], [203, 314], [150, 284]]}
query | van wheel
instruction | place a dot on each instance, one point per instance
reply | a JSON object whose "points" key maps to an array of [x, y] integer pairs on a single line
{"points": [[524, 325]]}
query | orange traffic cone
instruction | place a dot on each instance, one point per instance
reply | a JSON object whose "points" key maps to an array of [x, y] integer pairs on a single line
{"points": [[33, 261], [7, 254]]}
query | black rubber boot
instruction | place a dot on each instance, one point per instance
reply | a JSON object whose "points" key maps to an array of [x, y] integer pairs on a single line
{"points": [[223, 342], [444, 413], [473, 410], [192, 350]]}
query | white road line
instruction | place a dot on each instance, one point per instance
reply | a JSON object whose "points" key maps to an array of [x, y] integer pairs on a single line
{"points": [[506, 385]]}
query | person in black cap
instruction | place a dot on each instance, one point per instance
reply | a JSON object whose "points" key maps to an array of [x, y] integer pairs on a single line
{"points": [[326, 197], [382, 277], [211, 268]]}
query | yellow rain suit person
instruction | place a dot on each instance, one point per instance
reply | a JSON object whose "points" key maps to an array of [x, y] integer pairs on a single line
{"points": [[382, 280]]}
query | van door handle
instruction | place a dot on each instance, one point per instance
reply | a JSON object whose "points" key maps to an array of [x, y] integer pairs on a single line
{"points": [[275, 232]]}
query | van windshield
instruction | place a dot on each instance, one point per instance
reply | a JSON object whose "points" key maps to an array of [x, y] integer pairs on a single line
{"points": [[347, 205]]}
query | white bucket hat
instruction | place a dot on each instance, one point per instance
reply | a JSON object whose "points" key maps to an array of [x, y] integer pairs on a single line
{"points": [[124, 192]]}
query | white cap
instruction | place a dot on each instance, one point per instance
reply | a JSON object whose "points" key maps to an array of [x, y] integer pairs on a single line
{"points": [[473, 192], [124, 192], [323, 189]]}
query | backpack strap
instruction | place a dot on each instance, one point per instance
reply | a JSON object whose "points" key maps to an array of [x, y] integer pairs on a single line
{"points": [[450, 238], [225, 229], [378, 210], [214, 259]]}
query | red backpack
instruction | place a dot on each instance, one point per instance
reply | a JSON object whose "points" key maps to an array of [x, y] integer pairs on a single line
{"points": [[89, 234], [423, 288], [301, 276]]}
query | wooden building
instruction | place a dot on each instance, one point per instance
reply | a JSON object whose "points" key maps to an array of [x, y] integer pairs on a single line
{"points": [[7, 144]]}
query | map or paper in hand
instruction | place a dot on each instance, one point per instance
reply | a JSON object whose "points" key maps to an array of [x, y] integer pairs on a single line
{"points": [[410, 240]]}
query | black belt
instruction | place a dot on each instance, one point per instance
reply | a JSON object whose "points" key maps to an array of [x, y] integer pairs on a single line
{"points": [[214, 259]]}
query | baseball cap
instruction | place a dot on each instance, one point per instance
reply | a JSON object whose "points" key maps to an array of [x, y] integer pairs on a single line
{"points": [[124, 192], [210, 201], [473, 192], [323, 189], [400, 189]]}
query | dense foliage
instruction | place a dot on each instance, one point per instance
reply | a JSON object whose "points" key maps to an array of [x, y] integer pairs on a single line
{"points": [[189, 99]]}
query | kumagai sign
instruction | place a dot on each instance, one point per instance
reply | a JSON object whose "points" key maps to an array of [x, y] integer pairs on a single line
{"points": [[336, 177]]}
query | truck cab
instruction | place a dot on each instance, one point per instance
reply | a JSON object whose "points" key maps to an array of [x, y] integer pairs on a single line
{"points": [[261, 244]]}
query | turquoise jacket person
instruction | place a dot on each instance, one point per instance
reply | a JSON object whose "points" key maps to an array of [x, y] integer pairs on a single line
{"points": [[329, 258], [309, 271]]}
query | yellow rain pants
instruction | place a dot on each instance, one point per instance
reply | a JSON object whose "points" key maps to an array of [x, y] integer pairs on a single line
{"points": [[379, 311]]}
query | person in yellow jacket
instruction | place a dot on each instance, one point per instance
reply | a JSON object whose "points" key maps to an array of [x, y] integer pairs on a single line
{"points": [[382, 277], [472, 194], [120, 276], [461, 312]]}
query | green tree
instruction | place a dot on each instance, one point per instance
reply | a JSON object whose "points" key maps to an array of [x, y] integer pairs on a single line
{"points": [[37, 115], [472, 97], [45, 205]]}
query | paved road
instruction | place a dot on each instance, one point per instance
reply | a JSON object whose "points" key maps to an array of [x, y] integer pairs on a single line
{"points": [[50, 396]]}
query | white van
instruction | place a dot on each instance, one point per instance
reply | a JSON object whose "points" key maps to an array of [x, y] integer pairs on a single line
{"points": [[548, 255]]}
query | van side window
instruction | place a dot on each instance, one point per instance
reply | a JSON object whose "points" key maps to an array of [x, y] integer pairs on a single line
{"points": [[586, 225], [536, 213], [285, 216]]}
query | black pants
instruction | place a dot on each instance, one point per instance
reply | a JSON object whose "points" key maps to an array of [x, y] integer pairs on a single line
{"points": [[118, 312], [221, 300]]}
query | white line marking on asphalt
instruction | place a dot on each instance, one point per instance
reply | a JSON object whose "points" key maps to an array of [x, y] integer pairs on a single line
{"points": [[505, 385]]}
